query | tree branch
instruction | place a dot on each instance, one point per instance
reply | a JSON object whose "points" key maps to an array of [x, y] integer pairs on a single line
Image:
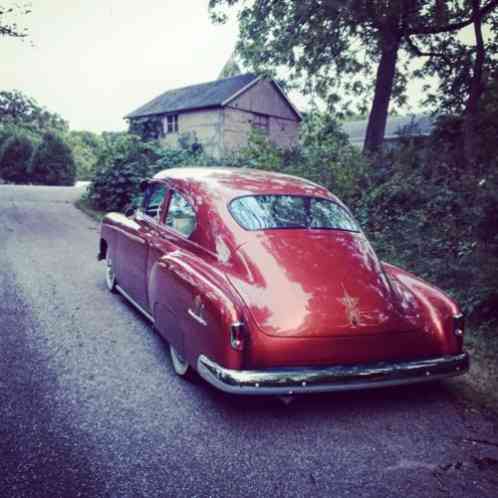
{"points": [[434, 30], [420, 53]]}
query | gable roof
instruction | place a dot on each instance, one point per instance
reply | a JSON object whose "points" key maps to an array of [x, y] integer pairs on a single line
{"points": [[216, 93], [211, 94], [412, 125]]}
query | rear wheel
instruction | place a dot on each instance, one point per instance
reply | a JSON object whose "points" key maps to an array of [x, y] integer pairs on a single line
{"points": [[180, 366], [110, 277]]}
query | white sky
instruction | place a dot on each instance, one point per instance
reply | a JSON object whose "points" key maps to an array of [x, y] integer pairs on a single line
{"points": [[93, 61]]}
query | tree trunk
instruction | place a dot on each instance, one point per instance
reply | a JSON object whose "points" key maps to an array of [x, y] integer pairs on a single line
{"points": [[383, 88], [471, 120]]}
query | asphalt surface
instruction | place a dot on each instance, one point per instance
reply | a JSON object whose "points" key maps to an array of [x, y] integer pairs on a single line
{"points": [[90, 406]]}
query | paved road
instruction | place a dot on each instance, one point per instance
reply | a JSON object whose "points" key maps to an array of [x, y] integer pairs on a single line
{"points": [[89, 404]]}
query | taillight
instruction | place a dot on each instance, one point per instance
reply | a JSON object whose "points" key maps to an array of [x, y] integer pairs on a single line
{"points": [[459, 325], [459, 329], [237, 336]]}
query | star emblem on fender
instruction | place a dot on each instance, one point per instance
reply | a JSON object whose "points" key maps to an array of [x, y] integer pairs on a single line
{"points": [[351, 305]]}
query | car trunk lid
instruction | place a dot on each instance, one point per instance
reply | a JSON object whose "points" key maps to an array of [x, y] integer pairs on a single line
{"points": [[319, 283]]}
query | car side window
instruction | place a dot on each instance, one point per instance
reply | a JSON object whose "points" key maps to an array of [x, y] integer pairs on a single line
{"points": [[181, 215], [153, 198]]}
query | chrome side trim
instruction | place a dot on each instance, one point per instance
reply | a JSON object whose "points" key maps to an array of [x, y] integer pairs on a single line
{"points": [[289, 381], [197, 318], [132, 301]]}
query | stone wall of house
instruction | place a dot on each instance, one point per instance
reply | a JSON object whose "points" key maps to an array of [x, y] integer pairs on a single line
{"points": [[204, 127], [263, 99]]}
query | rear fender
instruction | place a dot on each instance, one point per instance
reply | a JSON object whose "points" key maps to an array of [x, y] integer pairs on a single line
{"points": [[180, 287], [438, 307]]}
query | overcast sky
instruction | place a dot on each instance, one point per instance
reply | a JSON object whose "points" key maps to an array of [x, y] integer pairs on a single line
{"points": [[93, 61]]}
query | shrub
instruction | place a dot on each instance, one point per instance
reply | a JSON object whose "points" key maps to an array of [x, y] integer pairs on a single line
{"points": [[125, 160], [437, 218], [53, 162], [323, 155], [15, 156], [86, 147]]}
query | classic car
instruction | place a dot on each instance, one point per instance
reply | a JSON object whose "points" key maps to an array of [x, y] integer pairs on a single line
{"points": [[264, 283]]}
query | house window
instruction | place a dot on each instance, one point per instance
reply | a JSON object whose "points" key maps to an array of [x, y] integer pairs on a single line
{"points": [[172, 123], [260, 122]]}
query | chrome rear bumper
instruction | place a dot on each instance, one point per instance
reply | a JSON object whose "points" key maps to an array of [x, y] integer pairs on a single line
{"points": [[289, 381]]}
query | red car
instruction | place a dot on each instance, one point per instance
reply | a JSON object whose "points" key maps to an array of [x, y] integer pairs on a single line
{"points": [[264, 283]]}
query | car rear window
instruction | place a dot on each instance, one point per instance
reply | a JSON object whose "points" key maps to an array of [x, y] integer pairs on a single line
{"points": [[264, 212]]}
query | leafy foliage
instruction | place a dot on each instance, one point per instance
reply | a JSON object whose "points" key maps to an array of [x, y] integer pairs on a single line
{"points": [[8, 24], [21, 115], [333, 48], [147, 127], [125, 161], [232, 67], [53, 162], [323, 155], [85, 146], [425, 213], [23, 112], [15, 157]]}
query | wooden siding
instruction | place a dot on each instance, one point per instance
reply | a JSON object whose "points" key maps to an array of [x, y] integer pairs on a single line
{"points": [[264, 98]]}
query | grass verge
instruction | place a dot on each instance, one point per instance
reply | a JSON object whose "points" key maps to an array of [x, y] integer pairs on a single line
{"points": [[83, 205]]}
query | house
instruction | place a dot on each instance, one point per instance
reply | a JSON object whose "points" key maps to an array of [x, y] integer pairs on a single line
{"points": [[415, 126], [219, 115]]}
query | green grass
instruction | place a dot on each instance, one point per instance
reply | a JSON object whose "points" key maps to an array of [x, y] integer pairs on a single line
{"points": [[83, 205]]}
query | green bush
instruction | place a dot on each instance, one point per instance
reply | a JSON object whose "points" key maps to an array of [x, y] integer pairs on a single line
{"points": [[431, 215], [122, 163], [15, 156], [86, 147], [125, 161], [53, 162], [323, 155]]}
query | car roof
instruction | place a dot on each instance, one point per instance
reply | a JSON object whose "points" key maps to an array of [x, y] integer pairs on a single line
{"points": [[228, 183]]}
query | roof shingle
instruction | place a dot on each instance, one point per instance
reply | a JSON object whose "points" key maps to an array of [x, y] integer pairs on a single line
{"points": [[211, 94]]}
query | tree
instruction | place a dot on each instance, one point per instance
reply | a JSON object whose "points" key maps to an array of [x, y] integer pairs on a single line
{"points": [[15, 156], [86, 148], [333, 47], [20, 110], [231, 67], [464, 85], [53, 162], [8, 26]]}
